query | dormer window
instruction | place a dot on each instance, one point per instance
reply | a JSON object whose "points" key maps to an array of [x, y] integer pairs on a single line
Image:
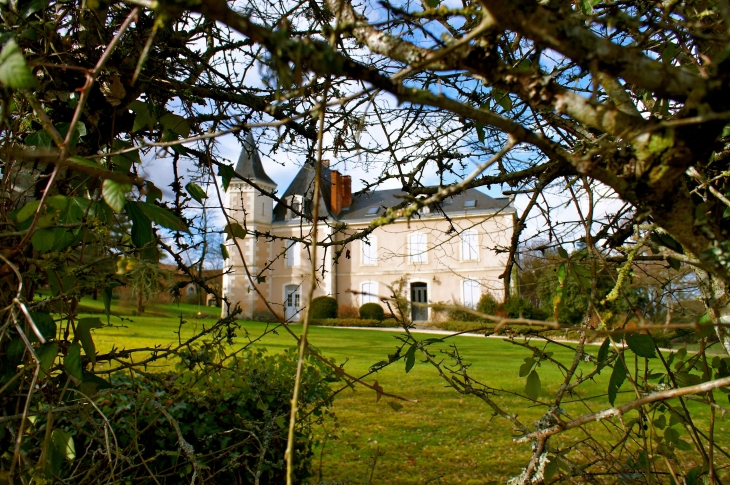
{"points": [[470, 204], [373, 210], [296, 204]]}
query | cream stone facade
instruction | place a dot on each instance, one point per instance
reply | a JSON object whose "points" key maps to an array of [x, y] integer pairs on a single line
{"points": [[450, 253]]}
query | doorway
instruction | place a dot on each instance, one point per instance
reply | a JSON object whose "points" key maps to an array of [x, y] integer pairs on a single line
{"points": [[419, 294], [292, 300]]}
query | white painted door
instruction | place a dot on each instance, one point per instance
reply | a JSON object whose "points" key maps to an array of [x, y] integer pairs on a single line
{"points": [[291, 303]]}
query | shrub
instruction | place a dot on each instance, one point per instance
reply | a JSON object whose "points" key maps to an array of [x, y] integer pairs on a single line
{"points": [[264, 316], [323, 307], [520, 307], [372, 311], [348, 311], [487, 304], [355, 322], [233, 413]]}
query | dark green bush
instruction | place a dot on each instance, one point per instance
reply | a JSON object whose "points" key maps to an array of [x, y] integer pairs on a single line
{"points": [[323, 307], [517, 307], [355, 322], [487, 304], [234, 415], [372, 311], [264, 316]]}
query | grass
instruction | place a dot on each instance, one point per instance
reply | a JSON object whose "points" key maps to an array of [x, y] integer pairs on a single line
{"points": [[443, 438]]}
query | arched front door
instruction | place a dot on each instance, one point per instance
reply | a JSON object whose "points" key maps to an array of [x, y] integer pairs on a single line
{"points": [[419, 294], [292, 300]]}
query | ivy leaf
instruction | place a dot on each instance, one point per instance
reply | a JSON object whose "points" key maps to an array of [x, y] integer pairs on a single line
{"points": [[142, 233], [123, 162], [410, 358], [532, 386], [115, 194], [72, 361], [618, 376], [62, 449], [145, 116], [176, 124], [46, 325], [27, 211], [226, 173], [163, 217], [47, 355], [196, 192], [234, 230], [14, 72], [153, 193], [641, 344], [603, 351], [43, 240], [526, 368], [83, 334], [39, 139]]}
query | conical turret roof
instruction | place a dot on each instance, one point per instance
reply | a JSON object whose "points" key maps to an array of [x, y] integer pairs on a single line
{"points": [[249, 163]]}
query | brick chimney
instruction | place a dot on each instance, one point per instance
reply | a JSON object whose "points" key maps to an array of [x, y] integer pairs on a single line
{"points": [[336, 193], [346, 191]]}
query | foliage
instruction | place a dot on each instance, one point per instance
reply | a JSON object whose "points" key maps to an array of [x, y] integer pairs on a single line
{"points": [[487, 304], [347, 311], [230, 412], [323, 307], [264, 316], [517, 307], [372, 311], [356, 322]]}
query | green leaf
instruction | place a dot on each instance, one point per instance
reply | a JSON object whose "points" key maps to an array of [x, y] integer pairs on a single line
{"points": [[176, 124], [618, 376], [64, 443], [226, 173], [675, 264], [660, 422], [532, 386], [669, 53], [42, 240], [14, 72], [14, 352], [47, 355], [196, 192], [163, 216], [562, 253], [526, 368], [79, 131], [603, 351], [234, 229], [115, 194], [83, 334], [395, 405], [91, 382], [145, 117], [39, 139], [433, 3], [72, 361], [153, 193], [27, 211], [142, 233], [106, 295], [480, 131], [123, 162], [562, 274], [410, 358], [641, 344], [45, 325], [224, 252]]}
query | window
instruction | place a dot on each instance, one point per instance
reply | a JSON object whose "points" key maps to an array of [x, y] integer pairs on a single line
{"points": [[368, 251], [293, 253], [472, 292], [469, 204], [369, 291], [373, 210], [295, 202], [417, 247], [469, 246]]}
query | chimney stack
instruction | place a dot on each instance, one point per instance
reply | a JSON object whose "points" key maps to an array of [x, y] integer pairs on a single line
{"points": [[326, 163], [336, 193], [346, 191]]}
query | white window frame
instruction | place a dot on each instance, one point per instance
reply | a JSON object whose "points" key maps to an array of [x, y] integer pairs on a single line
{"points": [[417, 255], [369, 290], [369, 251], [293, 256], [467, 288], [469, 252]]}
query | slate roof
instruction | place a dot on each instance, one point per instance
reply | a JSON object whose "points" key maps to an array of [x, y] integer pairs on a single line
{"points": [[249, 163], [382, 199], [303, 184]]}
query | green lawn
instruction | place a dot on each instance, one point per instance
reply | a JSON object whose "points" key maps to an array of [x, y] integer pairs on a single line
{"points": [[443, 438]]}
